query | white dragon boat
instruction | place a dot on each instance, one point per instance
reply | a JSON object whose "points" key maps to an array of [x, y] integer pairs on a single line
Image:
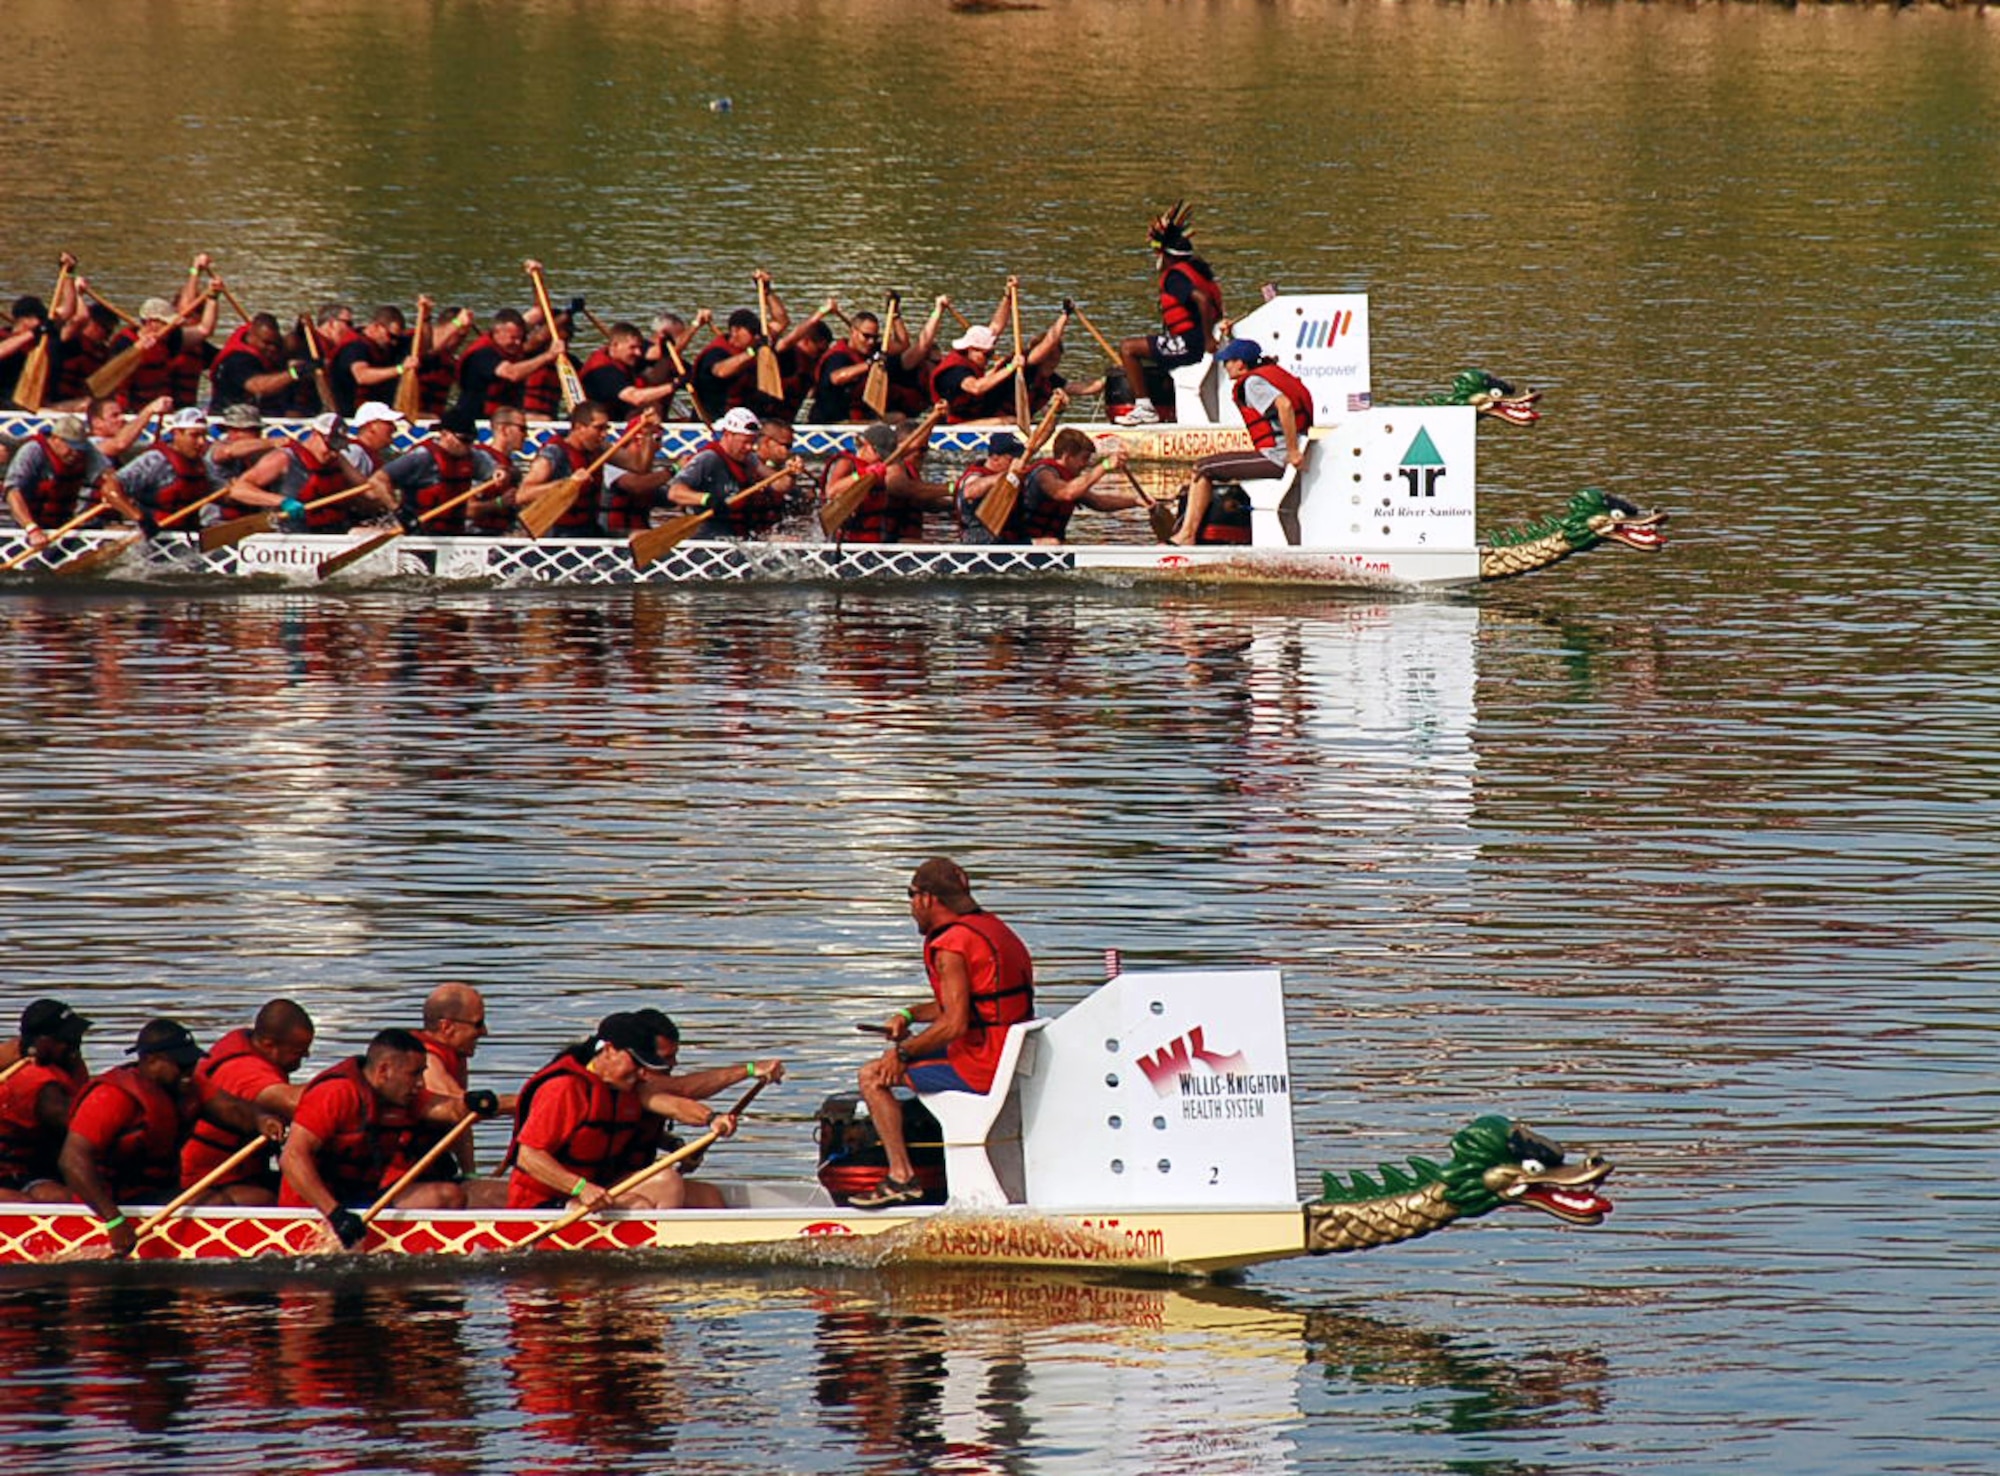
{"points": [[1387, 500], [1146, 1129]]}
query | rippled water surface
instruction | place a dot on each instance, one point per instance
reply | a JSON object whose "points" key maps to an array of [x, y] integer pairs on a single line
{"points": [[1685, 857]]}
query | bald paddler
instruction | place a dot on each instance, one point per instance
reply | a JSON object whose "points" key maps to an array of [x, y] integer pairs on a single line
{"points": [[254, 1062]]}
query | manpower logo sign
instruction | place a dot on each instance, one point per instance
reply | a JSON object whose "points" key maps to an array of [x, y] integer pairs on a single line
{"points": [[1320, 333], [1210, 1083]]}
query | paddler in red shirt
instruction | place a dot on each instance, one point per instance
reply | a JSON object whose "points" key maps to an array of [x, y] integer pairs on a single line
{"points": [[254, 1062], [982, 980], [126, 1132], [36, 1089], [579, 1115], [355, 1132]]}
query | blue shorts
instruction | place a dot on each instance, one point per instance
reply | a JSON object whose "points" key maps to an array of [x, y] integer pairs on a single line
{"points": [[936, 1076]]}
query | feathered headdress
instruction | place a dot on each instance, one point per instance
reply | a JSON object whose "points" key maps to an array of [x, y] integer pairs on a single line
{"points": [[1169, 231]]}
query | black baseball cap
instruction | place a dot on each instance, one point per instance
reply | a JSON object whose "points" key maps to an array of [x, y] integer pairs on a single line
{"points": [[167, 1038], [628, 1033], [52, 1017]]}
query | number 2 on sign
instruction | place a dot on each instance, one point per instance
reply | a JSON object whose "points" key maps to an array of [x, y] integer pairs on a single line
{"points": [[1214, 1174]]}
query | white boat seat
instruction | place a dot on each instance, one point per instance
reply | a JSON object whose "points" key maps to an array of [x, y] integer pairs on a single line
{"points": [[1268, 529], [968, 1120], [1195, 398]]}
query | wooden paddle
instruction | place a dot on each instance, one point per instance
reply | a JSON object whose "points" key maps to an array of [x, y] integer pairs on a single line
{"points": [[105, 553], [199, 1187], [33, 386], [566, 375], [367, 546], [409, 389], [770, 378], [649, 544], [632, 1181], [12, 1066], [555, 498], [94, 510], [681, 378], [833, 517], [410, 1174], [116, 311], [875, 389], [233, 532], [121, 366], [1102, 342], [997, 506], [322, 385], [229, 297], [1021, 414]]}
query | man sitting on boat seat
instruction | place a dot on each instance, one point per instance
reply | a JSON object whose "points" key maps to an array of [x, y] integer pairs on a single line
{"points": [[652, 1138], [256, 1063], [982, 980], [354, 1135], [724, 467], [1190, 308], [980, 478], [578, 1115], [36, 1090], [128, 1127], [1277, 408], [1055, 486], [454, 1025]]}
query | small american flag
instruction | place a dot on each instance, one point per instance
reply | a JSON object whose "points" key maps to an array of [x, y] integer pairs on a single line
{"points": [[1362, 401]]}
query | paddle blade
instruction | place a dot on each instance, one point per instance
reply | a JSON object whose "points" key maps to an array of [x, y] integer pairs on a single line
{"points": [[235, 530], [112, 374], [833, 517], [997, 506], [649, 544], [360, 551], [770, 379], [33, 385], [410, 396], [571, 381], [1163, 520], [875, 391], [547, 510], [98, 557]]}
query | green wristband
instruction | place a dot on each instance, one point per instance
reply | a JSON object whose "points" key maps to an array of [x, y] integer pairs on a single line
{"points": [[114, 1222], [581, 1185], [749, 1070], [912, 1019]]}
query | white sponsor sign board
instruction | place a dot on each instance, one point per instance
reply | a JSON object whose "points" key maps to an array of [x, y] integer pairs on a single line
{"points": [[1395, 480], [1163, 1090], [1321, 337]]}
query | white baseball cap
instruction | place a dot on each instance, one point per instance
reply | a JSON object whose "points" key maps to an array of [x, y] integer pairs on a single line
{"points": [[740, 420], [375, 413]]}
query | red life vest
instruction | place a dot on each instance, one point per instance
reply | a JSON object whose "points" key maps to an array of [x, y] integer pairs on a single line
{"points": [[320, 479], [541, 393], [961, 405], [154, 375], [192, 481], [145, 1159], [1003, 994], [454, 479], [184, 372], [580, 520], [874, 521], [603, 1137], [437, 377], [27, 1150], [208, 1144], [76, 360], [1043, 516], [1174, 314], [53, 496], [366, 1156], [1266, 430]]}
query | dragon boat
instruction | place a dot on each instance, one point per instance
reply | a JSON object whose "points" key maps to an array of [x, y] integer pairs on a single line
{"points": [[1387, 500], [1146, 1129]]}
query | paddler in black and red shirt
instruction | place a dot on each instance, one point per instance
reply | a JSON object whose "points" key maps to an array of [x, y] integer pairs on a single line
{"points": [[1053, 487], [128, 1127], [971, 390], [495, 368], [724, 467], [568, 455], [843, 373], [618, 377], [893, 510], [724, 374], [436, 470]]}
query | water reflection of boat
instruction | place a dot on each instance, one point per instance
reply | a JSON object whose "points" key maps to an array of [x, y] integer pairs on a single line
{"points": [[1147, 1128]]}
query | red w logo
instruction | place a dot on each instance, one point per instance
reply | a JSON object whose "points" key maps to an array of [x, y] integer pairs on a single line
{"points": [[1166, 1066]]}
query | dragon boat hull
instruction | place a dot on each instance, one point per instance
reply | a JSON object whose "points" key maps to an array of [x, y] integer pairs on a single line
{"points": [[786, 1224], [1146, 1129]]}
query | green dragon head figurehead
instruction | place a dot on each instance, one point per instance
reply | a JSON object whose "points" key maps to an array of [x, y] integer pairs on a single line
{"points": [[1496, 1162]]}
